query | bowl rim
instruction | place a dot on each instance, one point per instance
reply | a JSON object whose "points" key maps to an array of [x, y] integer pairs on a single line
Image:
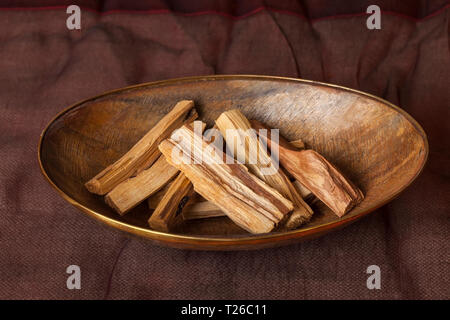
{"points": [[225, 242]]}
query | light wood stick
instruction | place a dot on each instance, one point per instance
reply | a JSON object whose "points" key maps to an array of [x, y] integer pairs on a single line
{"points": [[202, 210], [302, 212], [240, 137], [247, 200], [306, 194], [133, 191], [174, 200], [145, 152], [171, 204], [318, 175]]}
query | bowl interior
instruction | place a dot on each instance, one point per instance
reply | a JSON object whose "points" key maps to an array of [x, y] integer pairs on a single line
{"points": [[380, 148]]}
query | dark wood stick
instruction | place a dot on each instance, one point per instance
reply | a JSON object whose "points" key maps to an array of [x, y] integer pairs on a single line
{"points": [[318, 175]]}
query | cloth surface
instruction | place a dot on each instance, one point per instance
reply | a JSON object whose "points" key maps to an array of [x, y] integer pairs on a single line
{"points": [[44, 67]]}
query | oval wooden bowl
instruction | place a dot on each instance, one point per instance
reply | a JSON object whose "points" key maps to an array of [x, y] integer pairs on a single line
{"points": [[376, 144]]}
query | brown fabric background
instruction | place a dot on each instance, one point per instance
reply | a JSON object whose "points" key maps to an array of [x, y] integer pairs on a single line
{"points": [[44, 67]]}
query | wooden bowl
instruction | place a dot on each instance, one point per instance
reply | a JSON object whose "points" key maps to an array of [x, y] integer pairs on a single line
{"points": [[376, 144]]}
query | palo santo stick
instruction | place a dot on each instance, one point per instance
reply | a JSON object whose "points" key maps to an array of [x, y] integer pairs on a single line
{"points": [[133, 191], [248, 201], [176, 197], [155, 199], [202, 210], [238, 133], [145, 152], [306, 194], [171, 204], [318, 175], [302, 211]]}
